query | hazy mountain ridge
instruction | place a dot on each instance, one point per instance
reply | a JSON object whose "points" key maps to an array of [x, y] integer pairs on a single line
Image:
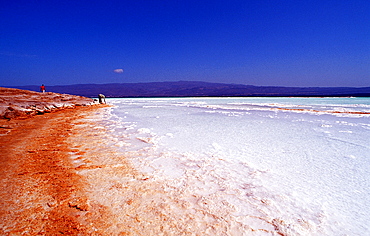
{"points": [[197, 89]]}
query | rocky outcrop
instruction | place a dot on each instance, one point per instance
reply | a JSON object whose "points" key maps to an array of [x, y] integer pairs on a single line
{"points": [[16, 103]]}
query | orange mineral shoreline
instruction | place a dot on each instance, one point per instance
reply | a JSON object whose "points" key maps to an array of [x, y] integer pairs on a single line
{"points": [[40, 190], [60, 175]]}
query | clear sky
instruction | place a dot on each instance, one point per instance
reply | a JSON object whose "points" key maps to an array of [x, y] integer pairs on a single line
{"points": [[256, 42]]}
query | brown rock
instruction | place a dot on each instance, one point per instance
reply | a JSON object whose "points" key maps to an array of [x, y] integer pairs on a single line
{"points": [[17, 103]]}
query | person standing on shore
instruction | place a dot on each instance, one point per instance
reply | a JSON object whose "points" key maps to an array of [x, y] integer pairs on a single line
{"points": [[102, 99], [42, 88]]}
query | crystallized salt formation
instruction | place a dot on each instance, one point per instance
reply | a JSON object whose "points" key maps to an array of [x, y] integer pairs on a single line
{"points": [[238, 166]]}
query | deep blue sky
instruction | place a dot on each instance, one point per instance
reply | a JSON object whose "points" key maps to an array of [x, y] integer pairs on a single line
{"points": [[256, 42]]}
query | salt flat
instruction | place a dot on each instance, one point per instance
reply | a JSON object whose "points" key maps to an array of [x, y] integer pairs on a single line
{"points": [[296, 166]]}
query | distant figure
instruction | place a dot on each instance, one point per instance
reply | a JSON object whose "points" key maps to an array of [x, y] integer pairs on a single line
{"points": [[42, 88], [102, 99]]}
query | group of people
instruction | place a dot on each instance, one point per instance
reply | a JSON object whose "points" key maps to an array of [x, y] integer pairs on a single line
{"points": [[102, 99], [101, 96]]}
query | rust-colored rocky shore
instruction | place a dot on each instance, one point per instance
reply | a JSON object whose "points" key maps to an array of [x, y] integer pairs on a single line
{"points": [[17, 103], [40, 191]]}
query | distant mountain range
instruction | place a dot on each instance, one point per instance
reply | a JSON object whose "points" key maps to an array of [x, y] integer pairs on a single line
{"points": [[199, 89]]}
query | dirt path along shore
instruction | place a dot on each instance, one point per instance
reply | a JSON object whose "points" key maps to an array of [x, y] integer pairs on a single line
{"points": [[40, 191]]}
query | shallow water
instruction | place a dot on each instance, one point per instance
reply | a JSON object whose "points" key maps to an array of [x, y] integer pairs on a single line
{"points": [[292, 166]]}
